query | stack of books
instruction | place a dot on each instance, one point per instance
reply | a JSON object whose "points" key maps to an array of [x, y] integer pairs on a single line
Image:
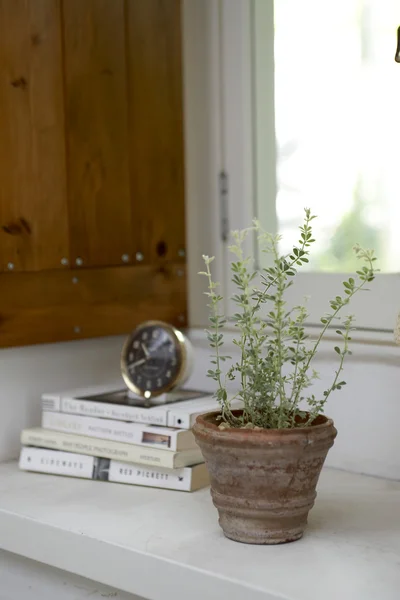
{"points": [[106, 433]]}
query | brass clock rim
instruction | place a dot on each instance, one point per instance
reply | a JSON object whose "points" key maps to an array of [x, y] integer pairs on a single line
{"points": [[180, 343]]}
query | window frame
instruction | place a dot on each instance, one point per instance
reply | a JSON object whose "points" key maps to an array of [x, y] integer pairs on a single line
{"points": [[376, 311]]}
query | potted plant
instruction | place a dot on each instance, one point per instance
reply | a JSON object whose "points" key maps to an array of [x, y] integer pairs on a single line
{"points": [[264, 460]]}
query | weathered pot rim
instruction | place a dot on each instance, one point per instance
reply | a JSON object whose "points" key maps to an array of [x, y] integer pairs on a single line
{"points": [[203, 420]]}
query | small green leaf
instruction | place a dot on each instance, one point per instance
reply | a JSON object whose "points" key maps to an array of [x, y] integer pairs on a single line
{"points": [[337, 349]]}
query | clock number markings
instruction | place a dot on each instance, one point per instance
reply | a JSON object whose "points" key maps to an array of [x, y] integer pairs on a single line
{"points": [[153, 358]]}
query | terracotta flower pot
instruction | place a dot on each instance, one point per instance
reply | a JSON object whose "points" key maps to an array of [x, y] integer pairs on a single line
{"points": [[263, 481]]}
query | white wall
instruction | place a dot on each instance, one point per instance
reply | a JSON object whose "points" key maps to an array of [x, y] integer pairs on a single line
{"points": [[24, 579], [28, 371]]}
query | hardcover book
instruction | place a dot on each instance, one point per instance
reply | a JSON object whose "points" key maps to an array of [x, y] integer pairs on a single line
{"points": [[110, 402], [175, 409], [120, 431], [54, 462], [129, 453]]}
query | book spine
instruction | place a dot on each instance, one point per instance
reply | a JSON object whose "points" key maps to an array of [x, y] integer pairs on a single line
{"points": [[102, 448], [57, 463], [118, 412], [51, 402], [53, 462], [107, 429], [171, 479], [185, 419]]}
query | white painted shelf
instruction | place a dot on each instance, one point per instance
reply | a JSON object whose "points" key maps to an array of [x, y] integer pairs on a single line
{"points": [[166, 545]]}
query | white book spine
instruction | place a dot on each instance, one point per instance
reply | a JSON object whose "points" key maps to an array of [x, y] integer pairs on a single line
{"points": [[107, 429], [40, 460], [56, 463], [51, 402], [80, 444], [170, 479], [104, 410], [186, 418]]}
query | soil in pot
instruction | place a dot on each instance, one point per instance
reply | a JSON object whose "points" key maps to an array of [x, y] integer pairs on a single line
{"points": [[263, 482]]}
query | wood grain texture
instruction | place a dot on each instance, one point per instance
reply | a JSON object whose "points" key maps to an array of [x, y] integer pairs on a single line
{"points": [[33, 210], [50, 306], [156, 125], [91, 167], [97, 131]]}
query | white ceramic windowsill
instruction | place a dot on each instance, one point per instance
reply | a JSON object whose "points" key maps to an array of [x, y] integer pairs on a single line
{"points": [[167, 545]]}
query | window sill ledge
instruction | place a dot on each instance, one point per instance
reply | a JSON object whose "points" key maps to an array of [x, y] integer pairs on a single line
{"points": [[161, 544], [367, 338]]}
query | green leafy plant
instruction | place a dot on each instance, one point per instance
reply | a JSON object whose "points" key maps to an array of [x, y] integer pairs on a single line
{"points": [[275, 368]]}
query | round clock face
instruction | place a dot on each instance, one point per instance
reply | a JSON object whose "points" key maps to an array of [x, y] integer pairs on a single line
{"points": [[152, 359]]}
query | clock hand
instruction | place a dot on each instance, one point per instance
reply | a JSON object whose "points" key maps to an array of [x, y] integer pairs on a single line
{"points": [[137, 363], [146, 352]]}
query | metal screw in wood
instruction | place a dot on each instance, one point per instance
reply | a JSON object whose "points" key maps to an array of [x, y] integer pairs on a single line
{"points": [[79, 262], [64, 261], [10, 266], [125, 258], [139, 256]]}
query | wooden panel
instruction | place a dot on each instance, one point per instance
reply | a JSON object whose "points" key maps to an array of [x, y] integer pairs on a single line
{"points": [[33, 212], [59, 305], [97, 126], [156, 130]]}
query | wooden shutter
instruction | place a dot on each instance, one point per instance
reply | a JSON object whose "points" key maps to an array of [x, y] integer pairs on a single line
{"points": [[99, 200], [33, 209], [92, 237], [156, 135]]}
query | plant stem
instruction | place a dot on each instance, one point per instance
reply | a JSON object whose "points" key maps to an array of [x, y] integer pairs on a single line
{"points": [[296, 366], [279, 303], [215, 313], [306, 366], [291, 264]]}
